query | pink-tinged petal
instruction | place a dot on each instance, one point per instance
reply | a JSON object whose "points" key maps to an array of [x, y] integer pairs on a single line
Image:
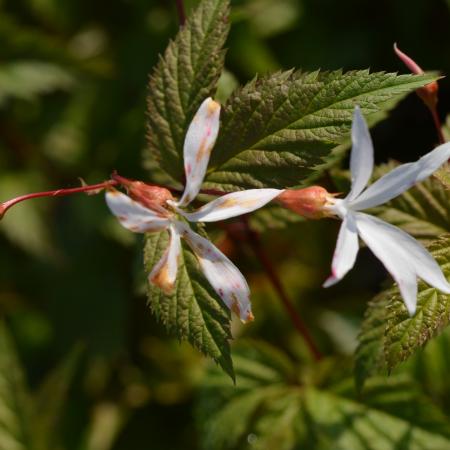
{"points": [[164, 274], [232, 205], [361, 158], [222, 274], [346, 250], [401, 179], [132, 215], [403, 257], [200, 139], [409, 62]]}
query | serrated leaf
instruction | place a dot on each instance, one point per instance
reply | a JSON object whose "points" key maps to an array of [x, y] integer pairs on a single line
{"points": [[186, 74], [193, 311], [14, 399], [273, 406], [405, 334], [277, 130], [423, 211]]}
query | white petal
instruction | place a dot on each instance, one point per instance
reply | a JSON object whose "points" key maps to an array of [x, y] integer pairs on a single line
{"points": [[346, 250], [222, 274], [361, 158], [402, 256], [164, 274], [200, 139], [234, 204], [402, 178], [133, 215]]}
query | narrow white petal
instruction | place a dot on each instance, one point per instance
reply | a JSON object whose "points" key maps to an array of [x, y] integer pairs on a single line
{"points": [[164, 274], [233, 204], [402, 256], [133, 215], [420, 259], [361, 158], [346, 250], [222, 274], [402, 178], [200, 139]]}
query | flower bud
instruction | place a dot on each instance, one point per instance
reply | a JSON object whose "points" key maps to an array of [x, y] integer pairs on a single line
{"points": [[429, 92], [308, 202], [150, 196]]}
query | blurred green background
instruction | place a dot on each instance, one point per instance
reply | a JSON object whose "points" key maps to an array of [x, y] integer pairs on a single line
{"points": [[73, 84]]}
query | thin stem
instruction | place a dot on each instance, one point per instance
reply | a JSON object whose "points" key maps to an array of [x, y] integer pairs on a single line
{"points": [[56, 193], [437, 124], [181, 12], [255, 244]]}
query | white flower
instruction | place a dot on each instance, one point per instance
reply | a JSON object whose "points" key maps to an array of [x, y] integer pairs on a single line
{"points": [[403, 256], [143, 217]]}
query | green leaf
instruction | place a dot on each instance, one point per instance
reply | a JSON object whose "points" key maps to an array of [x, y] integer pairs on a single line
{"points": [[443, 176], [193, 312], [276, 404], [14, 399], [186, 74], [393, 414], [404, 334], [369, 355], [423, 211], [273, 217], [50, 400], [278, 130]]}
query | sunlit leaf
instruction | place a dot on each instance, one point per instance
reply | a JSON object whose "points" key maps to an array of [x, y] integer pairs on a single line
{"points": [[186, 74], [278, 129], [274, 406]]}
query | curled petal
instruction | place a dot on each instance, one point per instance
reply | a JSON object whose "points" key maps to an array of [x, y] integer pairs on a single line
{"points": [[222, 274], [409, 62], [233, 204], [402, 256], [164, 274], [200, 139], [401, 179], [346, 250], [361, 158], [132, 215]]}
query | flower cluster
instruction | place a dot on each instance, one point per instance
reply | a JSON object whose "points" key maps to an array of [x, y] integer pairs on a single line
{"points": [[151, 208]]}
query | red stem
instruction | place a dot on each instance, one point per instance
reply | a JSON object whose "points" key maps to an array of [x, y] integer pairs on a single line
{"points": [[255, 243], [437, 124], [56, 193], [181, 12]]}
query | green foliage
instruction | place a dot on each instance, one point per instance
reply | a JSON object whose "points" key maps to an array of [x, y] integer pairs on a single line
{"points": [[193, 311], [369, 355], [14, 399], [28, 79], [443, 176], [49, 402], [30, 422], [183, 78], [423, 211], [275, 405], [278, 129], [405, 334], [389, 335]]}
